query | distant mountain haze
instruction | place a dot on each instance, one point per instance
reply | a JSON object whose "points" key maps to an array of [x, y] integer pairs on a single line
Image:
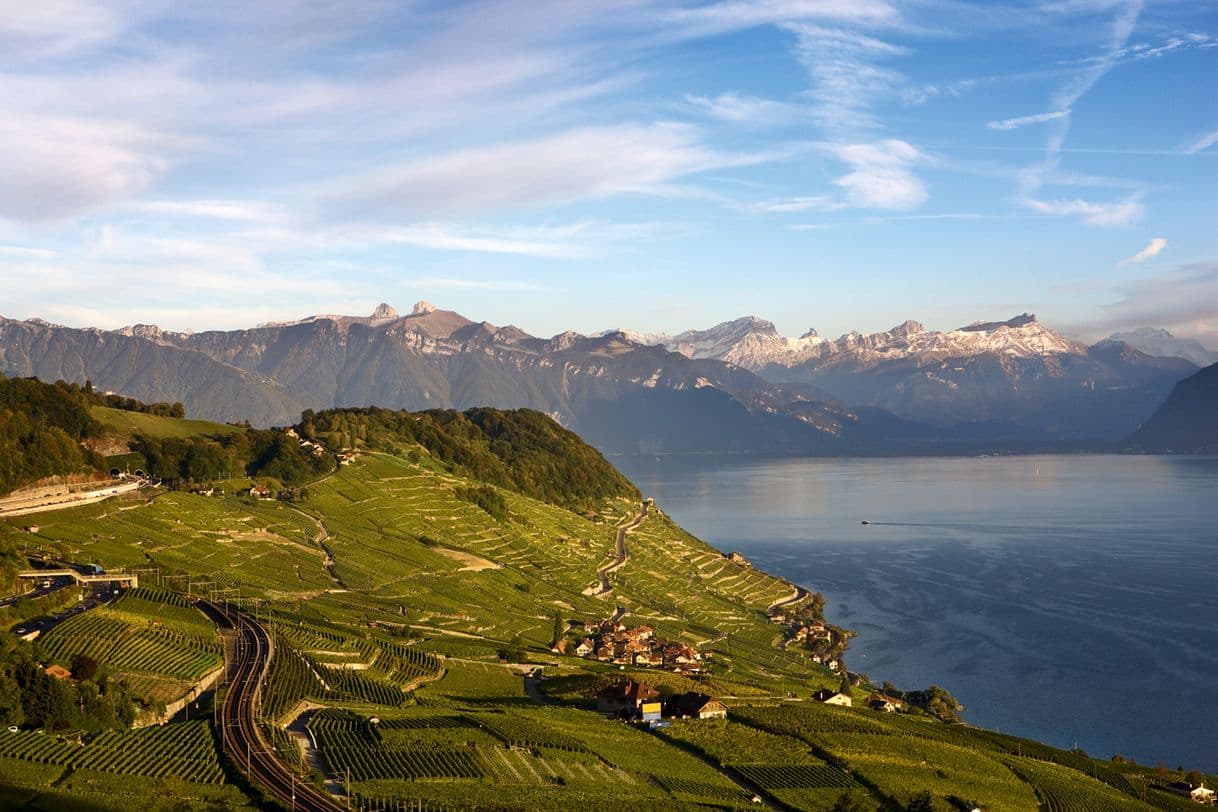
{"points": [[739, 387], [1153, 341]]}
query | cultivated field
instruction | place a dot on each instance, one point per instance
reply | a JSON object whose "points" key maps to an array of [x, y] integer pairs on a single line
{"points": [[391, 598]]}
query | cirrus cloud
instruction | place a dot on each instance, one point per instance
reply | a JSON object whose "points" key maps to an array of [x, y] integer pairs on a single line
{"points": [[1115, 214], [594, 162], [1152, 249]]}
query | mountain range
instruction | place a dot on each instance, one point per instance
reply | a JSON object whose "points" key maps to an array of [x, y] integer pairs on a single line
{"points": [[739, 387], [1015, 373]]}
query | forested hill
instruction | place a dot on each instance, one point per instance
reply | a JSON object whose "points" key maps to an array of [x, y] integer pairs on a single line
{"points": [[41, 428], [520, 449], [48, 429]]}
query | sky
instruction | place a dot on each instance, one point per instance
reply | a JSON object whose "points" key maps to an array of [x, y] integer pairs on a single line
{"points": [[830, 164]]}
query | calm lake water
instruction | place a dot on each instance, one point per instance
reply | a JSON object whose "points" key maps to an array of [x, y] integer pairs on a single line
{"points": [[1072, 599]]}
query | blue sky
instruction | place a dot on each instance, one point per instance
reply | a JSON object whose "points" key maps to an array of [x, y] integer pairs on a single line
{"points": [[836, 164]]}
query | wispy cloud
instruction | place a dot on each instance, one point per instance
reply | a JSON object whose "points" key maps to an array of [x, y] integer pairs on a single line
{"points": [[55, 27], [847, 79], [1023, 121], [743, 108], [437, 237], [1080, 82], [794, 204], [1114, 214], [26, 252], [1202, 143], [579, 164], [570, 241], [1152, 249], [881, 177], [730, 15], [54, 167], [228, 210]]}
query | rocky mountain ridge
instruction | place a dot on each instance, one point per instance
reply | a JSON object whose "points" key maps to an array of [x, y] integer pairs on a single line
{"points": [[739, 387], [756, 344]]}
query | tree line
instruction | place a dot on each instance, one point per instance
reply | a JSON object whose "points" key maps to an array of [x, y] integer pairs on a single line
{"points": [[261, 453], [43, 426]]}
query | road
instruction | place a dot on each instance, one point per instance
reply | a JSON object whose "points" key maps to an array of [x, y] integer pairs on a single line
{"points": [[24, 505], [602, 574], [93, 596], [799, 594], [242, 737], [57, 583]]}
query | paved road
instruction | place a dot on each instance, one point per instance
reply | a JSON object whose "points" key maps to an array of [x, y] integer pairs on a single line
{"points": [[26, 505], [242, 738], [799, 595], [57, 584], [94, 596], [620, 557]]}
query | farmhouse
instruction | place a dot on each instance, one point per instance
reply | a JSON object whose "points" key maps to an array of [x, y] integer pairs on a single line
{"points": [[1198, 793], [696, 706], [830, 697], [882, 703], [625, 699]]}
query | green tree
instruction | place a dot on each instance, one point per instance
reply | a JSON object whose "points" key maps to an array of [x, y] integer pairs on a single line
{"points": [[84, 667], [848, 802], [922, 802], [12, 711]]}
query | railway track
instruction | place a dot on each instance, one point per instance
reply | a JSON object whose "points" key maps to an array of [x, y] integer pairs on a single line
{"points": [[242, 738]]}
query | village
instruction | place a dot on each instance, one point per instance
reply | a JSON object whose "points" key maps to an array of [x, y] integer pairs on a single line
{"points": [[804, 626], [611, 641]]}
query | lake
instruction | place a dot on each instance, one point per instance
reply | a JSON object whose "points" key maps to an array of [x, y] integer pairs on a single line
{"points": [[1072, 599]]}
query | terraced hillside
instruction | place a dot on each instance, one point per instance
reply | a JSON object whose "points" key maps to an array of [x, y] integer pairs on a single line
{"points": [[409, 599], [158, 642]]}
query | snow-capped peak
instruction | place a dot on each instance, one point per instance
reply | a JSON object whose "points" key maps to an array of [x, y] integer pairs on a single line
{"points": [[1021, 336], [749, 342], [646, 339], [755, 343]]}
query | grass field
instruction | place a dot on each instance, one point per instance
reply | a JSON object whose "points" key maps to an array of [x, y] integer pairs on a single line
{"points": [[127, 424]]}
